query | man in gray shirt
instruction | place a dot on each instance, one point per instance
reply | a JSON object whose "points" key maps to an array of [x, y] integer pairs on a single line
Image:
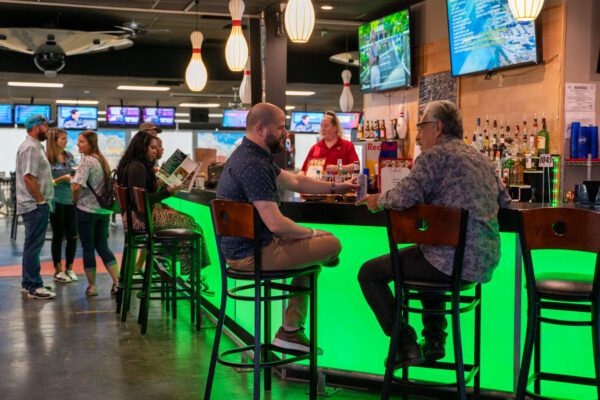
{"points": [[447, 173], [35, 197]]}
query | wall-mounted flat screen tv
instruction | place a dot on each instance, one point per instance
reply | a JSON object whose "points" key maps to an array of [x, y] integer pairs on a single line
{"points": [[6, 114], [234, 119], [77, 117], [349, 120], [306, 121], [161, 116], [385, 53], [23, 111], [122, 116], [484, 36]]}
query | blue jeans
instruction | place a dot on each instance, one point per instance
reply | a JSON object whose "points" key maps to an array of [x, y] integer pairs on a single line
{"points": [[93, 233], [35, 222]]}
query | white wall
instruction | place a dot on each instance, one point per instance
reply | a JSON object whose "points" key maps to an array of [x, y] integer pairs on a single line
{"points": [[173, 140], [10, 140]]}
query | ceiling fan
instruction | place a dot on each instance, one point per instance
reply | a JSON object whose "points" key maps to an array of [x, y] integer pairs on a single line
{"points": [[133, 30], [50, 47]]}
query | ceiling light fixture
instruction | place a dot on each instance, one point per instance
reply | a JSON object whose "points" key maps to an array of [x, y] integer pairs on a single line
{"points": [[525, 10], [290, 107], [78, 102], [195, 73], [299, 20], [182, 115], [200, 105], [299, 93], [140, 88], [215, 115], [327, 7], [236, 50], [36, 84], [101, 112]]}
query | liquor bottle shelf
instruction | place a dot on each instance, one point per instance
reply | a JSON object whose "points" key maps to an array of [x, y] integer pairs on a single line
{"points": [[581, 161]]}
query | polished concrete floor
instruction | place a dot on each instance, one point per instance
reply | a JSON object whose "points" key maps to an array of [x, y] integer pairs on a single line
{"points": [[74, 347]]}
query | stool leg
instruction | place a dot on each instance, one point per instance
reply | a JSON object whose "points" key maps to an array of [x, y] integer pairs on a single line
{"points": [[127, 268], [145, 304], [477, 349], [405, 317], [219, 330], [527, 348], [267, 336], [257, 338], [122, 275], [596, 341], [537, 354], [174, 274], [314, 378], [197, 296], [389, 367], [458, 354]]}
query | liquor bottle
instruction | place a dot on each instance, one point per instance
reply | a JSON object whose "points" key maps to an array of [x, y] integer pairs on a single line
{"points": [[383, 129], [377, 130], [502, 145], [516, 145], [543, 139], [466, 138], [532, 136], [486, 143], [474, 142], [360, 134], [356, 171], [494, 149]]}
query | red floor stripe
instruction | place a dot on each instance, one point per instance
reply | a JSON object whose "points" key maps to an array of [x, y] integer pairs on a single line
{"points": [[48, 267]]}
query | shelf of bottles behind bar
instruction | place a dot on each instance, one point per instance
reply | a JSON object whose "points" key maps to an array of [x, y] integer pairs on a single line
{"points": [[515, 151]]}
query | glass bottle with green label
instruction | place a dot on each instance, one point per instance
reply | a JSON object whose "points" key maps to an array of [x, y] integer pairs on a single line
{"points": [[543, 139]]}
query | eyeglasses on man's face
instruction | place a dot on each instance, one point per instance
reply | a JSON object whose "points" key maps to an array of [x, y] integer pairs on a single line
{"points": [[423, 123]]}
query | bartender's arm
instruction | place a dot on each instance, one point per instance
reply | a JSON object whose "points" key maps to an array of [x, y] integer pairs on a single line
{"points": [[283, 226], [305, 184]]}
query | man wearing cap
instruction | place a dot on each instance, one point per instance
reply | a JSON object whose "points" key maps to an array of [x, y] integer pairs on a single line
{"points": [[150, 127], [35, 200]]}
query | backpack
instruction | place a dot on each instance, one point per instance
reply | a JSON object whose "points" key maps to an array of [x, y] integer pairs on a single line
{"points": [[107, 197]]}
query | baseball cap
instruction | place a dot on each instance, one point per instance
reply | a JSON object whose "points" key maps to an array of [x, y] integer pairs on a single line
{"points": [[147, 126], [35, 120]]}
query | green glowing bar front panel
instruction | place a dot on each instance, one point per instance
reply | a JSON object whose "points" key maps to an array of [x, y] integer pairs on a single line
{"points": [[352, 339]]}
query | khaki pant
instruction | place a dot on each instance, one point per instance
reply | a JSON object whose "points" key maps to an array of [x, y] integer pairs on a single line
{"points": [[288, 254]]}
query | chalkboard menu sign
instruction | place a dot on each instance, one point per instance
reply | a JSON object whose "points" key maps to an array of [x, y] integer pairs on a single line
{"points": [[440, 86]]}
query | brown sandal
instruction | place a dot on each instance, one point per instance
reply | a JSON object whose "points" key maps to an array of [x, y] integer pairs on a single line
{"points": [[90, 292]]}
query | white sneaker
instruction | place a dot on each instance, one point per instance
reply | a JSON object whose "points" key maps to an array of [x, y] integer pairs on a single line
{"points": [[61, 277], [42, 294], [71, 274]]}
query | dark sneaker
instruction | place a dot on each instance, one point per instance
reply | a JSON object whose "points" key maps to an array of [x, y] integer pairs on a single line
{"points": [[295, 340], [332, 263], [407, 356], [205, 289], [41, 294], [433, 349]]}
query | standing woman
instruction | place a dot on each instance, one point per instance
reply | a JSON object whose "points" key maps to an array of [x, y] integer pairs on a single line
{"points": [[92, 219], [63, 218]]}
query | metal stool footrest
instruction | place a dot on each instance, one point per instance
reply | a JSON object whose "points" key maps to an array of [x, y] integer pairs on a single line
{"points": [[297, 356], [473, 370], [293, 291]]}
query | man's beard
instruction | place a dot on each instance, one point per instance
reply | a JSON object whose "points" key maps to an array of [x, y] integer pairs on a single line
{"points": [[42, 136], [275, 145]]}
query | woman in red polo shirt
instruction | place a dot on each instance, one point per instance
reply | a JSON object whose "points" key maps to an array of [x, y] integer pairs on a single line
{"points": [[331, 148]]}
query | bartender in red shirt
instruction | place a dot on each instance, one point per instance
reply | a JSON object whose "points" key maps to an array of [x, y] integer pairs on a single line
{"points": [[331, 148]]}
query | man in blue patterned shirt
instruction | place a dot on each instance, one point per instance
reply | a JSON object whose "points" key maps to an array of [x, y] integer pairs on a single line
{"points": [[447, 173]]}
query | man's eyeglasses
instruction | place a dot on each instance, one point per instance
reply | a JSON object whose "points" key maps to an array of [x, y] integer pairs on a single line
{"points": [[421, 124]]}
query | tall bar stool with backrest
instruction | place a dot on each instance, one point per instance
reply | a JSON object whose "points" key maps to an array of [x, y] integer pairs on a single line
{"points": [[436, 226], [167, 241], [564, 229], [236, 219]]}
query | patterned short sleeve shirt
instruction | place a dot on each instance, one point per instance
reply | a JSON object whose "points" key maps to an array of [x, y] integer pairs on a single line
{"points": [[90, 170], [31, 160]]}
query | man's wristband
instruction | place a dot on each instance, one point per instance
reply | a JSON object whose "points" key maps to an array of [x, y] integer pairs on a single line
{"points": [[40, 203], [332, 187]]}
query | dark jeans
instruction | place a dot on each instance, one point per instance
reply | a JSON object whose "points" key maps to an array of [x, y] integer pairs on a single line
{"points": [[63, 224], [93, 233], [35, 222], [374, 278]]}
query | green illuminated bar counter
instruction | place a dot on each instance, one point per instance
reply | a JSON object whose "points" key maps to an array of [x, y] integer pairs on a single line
{"points": [[353, 343]]}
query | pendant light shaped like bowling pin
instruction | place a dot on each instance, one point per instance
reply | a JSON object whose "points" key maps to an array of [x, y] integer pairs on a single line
{"points": [[346, 99], [236, 50], [195, 74], [299, 20], [402, 124], [245, 87]]}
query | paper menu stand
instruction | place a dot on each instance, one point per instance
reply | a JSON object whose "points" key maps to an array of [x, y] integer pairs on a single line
{"points": [[392, 171], [176, 169]]}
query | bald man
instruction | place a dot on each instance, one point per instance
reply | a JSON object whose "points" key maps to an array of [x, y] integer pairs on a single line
{"points": [[251, 176]]}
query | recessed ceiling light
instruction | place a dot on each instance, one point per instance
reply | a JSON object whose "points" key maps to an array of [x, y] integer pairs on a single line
{"points": [[215, 115], [101, 119], [298, 93], [200, 105], [182, 115], [327, 7], [36, 84], [101, 112], [290, 107], [77, 102], [144, 88]]}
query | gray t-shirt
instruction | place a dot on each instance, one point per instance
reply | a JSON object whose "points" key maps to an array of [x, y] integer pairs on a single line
{"points": [[89, 170], [31, 160]]}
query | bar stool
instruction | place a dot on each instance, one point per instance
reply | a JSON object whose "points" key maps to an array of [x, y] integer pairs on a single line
{"points": [[236, 219], [436, 226], [564, 229], [167, 242]]}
